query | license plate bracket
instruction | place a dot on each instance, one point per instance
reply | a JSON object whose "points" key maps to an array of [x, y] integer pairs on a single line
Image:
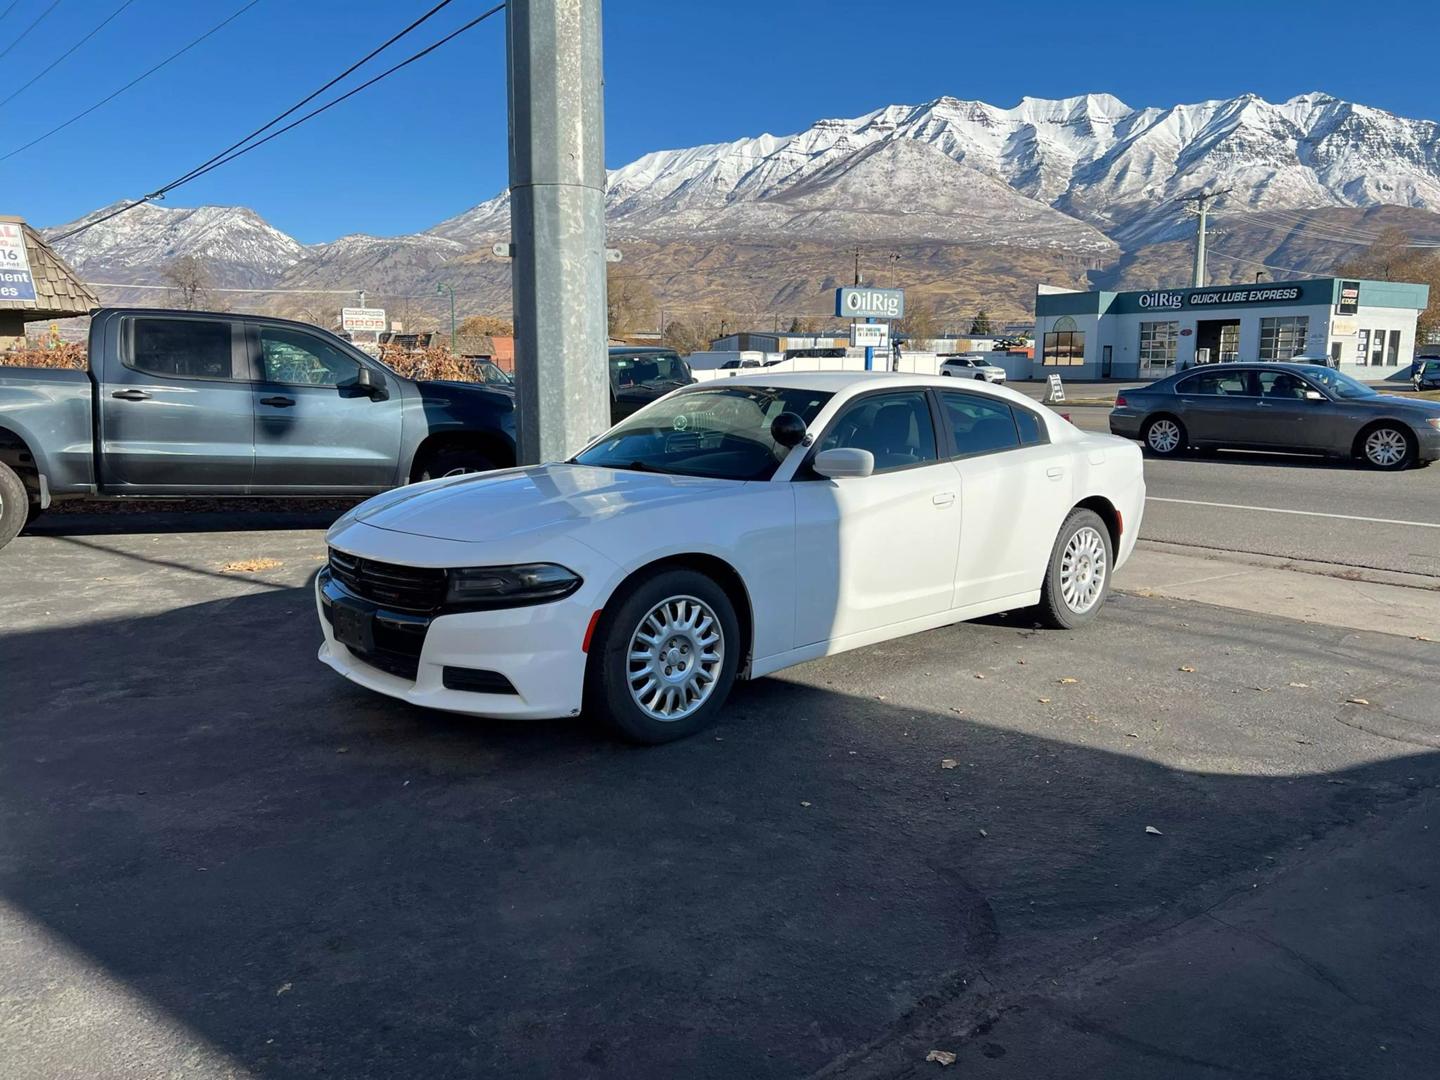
{"points": [[353, 625]]}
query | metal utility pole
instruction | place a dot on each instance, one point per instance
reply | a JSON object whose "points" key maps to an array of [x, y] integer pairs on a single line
{"points": [[557, 225], [443, 288], [1200, 200], [857, 266]]}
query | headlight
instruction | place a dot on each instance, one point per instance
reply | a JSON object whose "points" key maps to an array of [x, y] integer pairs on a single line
{"points": [[486, 587]]}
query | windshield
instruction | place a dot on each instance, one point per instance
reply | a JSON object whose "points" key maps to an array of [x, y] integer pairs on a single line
{"points": [[649, 369], [723, 433], [490, 374], [1342, 386]]}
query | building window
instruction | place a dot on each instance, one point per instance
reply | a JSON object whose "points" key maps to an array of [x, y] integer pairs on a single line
{"points": [[1392, 354], [1282, 338], [1065, 348], [1158, 341]]}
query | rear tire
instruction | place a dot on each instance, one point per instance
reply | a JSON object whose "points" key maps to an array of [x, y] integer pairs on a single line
{"points": [[1077, 579], [1164, 436], [14, 504], [456, 463], [665, 655], [1387, 447]]}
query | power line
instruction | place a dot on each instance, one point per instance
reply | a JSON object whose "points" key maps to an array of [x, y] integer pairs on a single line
{"points": [[138, 79], [56, 62], [225, 159], [12, 6], [21, 36]]}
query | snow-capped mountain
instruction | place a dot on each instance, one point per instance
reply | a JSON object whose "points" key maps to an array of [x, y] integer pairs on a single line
{"points": [[240, 248], [1076, 183], [1092, 157]]}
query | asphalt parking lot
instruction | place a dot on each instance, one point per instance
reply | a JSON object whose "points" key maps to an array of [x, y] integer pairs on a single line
{"points": [[219, 859]]}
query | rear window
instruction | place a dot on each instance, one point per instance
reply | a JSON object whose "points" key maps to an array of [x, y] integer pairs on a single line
{"points": [[648, 369], [1217, 384], [181, 348]]}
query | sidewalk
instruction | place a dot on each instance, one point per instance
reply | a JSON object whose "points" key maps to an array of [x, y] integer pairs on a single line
{"points": [[1266, 587]]}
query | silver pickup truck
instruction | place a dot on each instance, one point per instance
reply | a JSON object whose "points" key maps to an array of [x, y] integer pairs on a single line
{"points": [[180, 404]]}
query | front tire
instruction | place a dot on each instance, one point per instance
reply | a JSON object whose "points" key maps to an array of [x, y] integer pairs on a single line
{"points": [[1387, 447], [1077, 579], [14, 504], [667, 652], [1164, 436]]}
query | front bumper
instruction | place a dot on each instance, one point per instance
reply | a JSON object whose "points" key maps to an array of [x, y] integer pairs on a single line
{"points": [[1428, 443], [537, 649]]}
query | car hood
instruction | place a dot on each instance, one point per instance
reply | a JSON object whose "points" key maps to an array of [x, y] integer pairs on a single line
{"points": [[489, 392], [538, 500], [1399, 403]]}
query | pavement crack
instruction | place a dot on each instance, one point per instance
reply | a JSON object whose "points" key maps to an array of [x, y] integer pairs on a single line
{"points": [[1320, 973]]}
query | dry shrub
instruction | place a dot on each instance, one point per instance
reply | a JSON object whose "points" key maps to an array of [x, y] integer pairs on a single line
{"points": [[71, 354], [431, 363]]}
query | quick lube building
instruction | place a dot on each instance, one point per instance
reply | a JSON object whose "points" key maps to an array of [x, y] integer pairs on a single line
{"points": [[1366, 328]]}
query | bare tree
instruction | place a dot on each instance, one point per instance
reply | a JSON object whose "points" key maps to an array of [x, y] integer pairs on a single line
{"points": [[919, 323], [189, 282], [630, 302], [1392, 258]]}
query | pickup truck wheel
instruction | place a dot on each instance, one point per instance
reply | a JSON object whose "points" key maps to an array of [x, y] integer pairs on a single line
{"points": [[14, 504], [456, 463]]}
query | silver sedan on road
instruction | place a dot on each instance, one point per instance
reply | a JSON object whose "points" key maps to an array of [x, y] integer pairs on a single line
{"points": [[1290, 408]]}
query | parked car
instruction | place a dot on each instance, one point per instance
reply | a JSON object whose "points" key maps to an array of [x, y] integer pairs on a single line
{"points": [[971, 367], [1279, 406], [1426, 373], [728, 530], [640, 375], [190, 404]]}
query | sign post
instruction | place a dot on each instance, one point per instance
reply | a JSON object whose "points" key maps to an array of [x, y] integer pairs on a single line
{"points": [[15, 280]]}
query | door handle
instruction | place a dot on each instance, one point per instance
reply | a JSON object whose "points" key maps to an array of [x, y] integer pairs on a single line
{"points": [[131, 395], [1263, 405], [278, 402], [1055, 472], [945, 498]]}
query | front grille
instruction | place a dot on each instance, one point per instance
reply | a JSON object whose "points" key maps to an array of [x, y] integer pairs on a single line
{"points": [[404, 588]]}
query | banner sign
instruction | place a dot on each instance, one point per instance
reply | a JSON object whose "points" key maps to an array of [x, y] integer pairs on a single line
{"points": [[865, 303], [363, 319], [871, 335], [1173, 300], [15, 280]]}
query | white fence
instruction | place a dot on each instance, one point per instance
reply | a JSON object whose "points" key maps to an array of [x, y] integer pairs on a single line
{"points": [[916, 363]]}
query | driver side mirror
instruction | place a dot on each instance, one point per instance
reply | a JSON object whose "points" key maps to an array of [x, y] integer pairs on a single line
{"points": [[1314, 395], [844, 463], [367, 383], [788, 430]]}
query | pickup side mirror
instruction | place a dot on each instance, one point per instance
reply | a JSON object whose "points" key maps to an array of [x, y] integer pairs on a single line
{"points": [[1314, 395], [844, 463], [367, 383]]}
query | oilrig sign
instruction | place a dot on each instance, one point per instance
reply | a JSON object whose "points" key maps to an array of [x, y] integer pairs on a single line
{"points": [[363, 319], [865, 303]]}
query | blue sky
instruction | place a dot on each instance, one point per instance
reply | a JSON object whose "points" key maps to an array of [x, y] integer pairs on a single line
{"points": [[430, 142]]}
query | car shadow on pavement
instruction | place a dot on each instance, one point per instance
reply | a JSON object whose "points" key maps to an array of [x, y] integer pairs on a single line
{"points": [[122, 518], [311, 880]]}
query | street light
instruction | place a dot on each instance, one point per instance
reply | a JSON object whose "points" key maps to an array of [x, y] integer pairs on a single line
{"points": [[440, 289]]}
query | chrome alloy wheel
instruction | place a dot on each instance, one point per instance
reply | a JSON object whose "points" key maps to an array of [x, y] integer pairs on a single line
{"points": [[675, 657], [1082, 570], [1164, 436], [1386, 447]]}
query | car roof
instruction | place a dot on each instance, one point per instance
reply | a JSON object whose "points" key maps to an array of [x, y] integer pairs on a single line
{"points": [[635, 350], [845, 383]]}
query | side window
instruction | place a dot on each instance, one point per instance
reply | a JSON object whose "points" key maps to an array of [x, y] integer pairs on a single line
{"points": [[896, 428], [301, 359], [1217, 384], [181, 348], [1032, 429], [1281, 384], [980, 425]]}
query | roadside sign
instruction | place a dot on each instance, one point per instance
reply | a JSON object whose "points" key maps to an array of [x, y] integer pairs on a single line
{"points": [[1349, 300], [1057, 389], [870, 335], [363, 319], [865, 303], [15, 280]]}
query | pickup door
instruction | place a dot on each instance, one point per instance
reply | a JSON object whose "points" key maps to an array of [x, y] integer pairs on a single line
{"points": [[175, 408], [316, 430]]}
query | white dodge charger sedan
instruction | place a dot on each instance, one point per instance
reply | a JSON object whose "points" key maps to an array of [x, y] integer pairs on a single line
{"points": [[723, 531]]}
